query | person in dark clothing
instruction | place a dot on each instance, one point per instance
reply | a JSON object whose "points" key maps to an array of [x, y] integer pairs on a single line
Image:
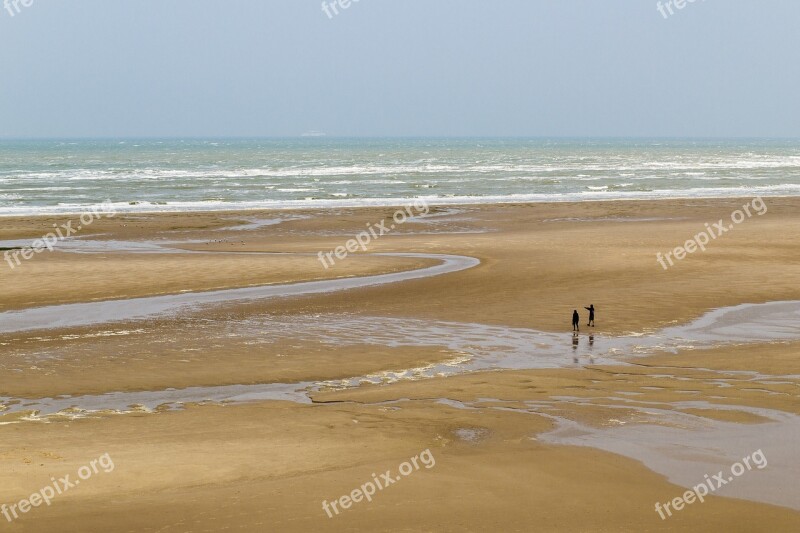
{"points": [[591, 315], [576, 321]]}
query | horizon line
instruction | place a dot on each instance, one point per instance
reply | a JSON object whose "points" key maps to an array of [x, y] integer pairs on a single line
{"points": [[397, 137]]}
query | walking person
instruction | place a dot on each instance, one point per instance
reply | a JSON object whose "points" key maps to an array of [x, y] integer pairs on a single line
{"points": [[591, 314], [576, 321]]}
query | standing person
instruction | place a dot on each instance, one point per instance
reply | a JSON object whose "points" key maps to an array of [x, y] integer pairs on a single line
{"points": [[576, 321], [591, 314]]}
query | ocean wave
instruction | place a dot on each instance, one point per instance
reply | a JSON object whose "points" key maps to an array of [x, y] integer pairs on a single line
{"points": [[451, 199], [194, 175], [577, 169]]}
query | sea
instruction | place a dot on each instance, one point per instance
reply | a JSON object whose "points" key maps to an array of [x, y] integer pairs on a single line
{"points": [[155, 175]]}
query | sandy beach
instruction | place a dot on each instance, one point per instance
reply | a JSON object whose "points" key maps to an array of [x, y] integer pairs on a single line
{"points": [[247, 414], [402, 267]]}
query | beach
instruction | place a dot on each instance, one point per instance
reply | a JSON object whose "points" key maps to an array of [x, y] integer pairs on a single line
{"points": [[247, 411], [284, 268]]}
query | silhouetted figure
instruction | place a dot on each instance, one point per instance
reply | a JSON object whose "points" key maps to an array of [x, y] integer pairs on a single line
{"points": [[591, 315], [576, 321]]}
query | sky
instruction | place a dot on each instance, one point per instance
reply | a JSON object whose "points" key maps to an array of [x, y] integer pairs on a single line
{"points": [[263, 68]]}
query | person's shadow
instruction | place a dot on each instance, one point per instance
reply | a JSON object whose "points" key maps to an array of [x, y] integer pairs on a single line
{"points": [[575, 342]]}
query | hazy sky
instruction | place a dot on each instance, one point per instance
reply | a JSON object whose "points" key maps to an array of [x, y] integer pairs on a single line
{"points": [[91, 68]]}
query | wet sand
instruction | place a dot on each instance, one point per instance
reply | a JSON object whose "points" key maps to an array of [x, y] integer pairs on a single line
{"points": [[537, 447]]}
